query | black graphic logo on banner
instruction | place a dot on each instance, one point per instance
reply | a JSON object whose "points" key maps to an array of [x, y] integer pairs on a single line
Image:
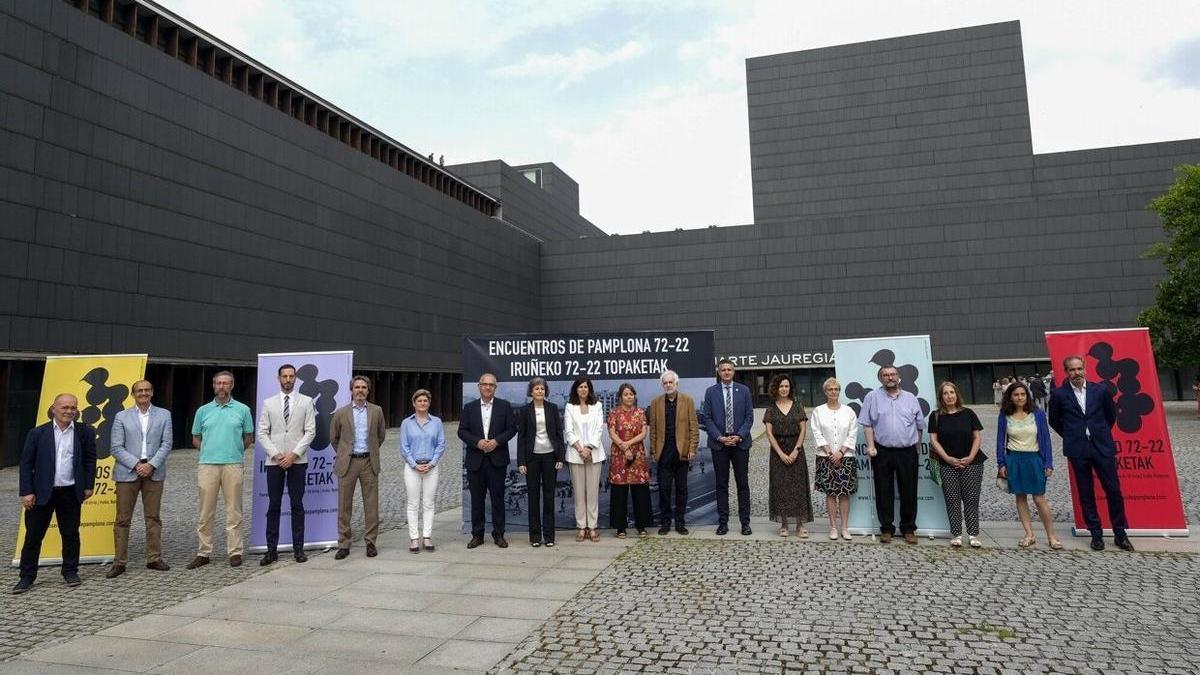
{"points": [[103, 404], [1121, 377], [323, 393], [856, 392]]}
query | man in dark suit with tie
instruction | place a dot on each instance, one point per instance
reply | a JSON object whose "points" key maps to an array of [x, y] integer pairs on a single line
{"points": [[1083, 413], [58, 473], [727, 415], [486, 426]]}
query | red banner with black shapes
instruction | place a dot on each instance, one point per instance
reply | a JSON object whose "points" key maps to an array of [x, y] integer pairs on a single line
{"points": [[1122, 360]]}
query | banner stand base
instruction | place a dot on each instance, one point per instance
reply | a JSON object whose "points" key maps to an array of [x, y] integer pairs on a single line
{"points": [[55, 562], [310, 546], [1168, 532]]}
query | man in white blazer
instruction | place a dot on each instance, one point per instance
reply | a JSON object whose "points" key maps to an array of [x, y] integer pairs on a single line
{"points": [[141, 440], [287, 423]]}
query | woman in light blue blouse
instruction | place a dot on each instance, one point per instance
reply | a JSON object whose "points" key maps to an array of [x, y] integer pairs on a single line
{"points": [[422, 444]]}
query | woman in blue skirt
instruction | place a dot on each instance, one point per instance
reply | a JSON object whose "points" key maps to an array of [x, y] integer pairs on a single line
{"points": [[1026, 459]]}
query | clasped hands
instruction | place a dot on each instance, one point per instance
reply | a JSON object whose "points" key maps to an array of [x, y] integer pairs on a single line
{"points": [[730, 440], [487, 445]]}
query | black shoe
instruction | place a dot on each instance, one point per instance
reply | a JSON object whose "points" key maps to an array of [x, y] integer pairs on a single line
{"points": [[300, 556], [499, 539], [268, 558], [535, 544], [664, 530], [72, 579], [549, 544], [371, 550], [115, 571], [476, 541], [642, 532], [1097, 543], [158, 565], [746, 531], [722, 530], [341, 554], [1124, 544], [23, 584], [198, 561], [682, 530]]}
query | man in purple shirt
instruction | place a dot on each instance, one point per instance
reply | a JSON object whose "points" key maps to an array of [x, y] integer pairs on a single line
{"points": [[893, 423]]}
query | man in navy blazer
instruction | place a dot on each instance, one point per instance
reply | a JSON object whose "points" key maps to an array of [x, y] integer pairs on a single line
{"points": [[1083, 413], [486, 427], [141, 441], [727, 415], [58, 472]]}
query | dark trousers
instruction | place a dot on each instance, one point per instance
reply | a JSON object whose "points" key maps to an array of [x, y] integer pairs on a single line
{"points": [[65, 506], [672, 487], [488, 479], [618, 502], [892, 466], [1105, 469], [295, 476], [541, 479], [723, 458]]}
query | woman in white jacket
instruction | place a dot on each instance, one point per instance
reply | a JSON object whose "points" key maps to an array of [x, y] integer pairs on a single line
{"points": [[583, 429]]}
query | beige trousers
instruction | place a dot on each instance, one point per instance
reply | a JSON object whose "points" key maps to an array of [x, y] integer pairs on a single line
{"points": [[227, 479], [359, 472], [127, 495], [585, 484]]}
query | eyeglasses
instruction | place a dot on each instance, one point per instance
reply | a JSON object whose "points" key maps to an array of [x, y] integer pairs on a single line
{"points": [[487, 384]]}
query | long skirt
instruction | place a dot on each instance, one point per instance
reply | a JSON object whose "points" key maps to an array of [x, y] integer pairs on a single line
{"points": [[788, 495]]}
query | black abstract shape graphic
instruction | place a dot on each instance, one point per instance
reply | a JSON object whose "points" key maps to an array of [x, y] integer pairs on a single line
{"points": [[104, 402], [857, 392], [1121, 377], [323, 394]]}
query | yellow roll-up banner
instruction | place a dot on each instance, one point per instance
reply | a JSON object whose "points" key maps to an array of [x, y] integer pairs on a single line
{"points": [[102, 384]]}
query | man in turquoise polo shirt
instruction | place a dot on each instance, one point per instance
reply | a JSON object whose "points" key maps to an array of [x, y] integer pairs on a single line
{"points": [[223, 430]]}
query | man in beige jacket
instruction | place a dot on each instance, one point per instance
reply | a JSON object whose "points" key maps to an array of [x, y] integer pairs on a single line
{"points": [[674, 437], [356, 432]]}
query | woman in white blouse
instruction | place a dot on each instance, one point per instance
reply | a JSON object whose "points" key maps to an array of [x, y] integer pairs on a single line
{"points": [[583, 427], [835, 433]]}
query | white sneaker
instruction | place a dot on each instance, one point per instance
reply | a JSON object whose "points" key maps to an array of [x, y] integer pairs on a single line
{"points": [[846, 535], [975, 543], [957, 541], [833, 535]]}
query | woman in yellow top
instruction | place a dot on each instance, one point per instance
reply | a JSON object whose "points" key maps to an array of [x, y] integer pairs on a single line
{"points": [[1026, 459]]}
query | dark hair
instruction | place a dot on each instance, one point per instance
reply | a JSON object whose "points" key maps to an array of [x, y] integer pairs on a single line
{"points": [[773, 390], [535, 382], [1008, 407], [573, 398], [621, 392], [1073, 357], [886, 366], [285, 367], [958, 401], [364, 378], [724, 361]]}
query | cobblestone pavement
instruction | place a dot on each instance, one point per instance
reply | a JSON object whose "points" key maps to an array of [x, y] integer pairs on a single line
{"points": [[688, 605], [995, 505], [51, 611]]}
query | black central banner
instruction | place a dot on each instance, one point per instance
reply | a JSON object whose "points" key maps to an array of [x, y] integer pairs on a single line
{"points": [[609, 360]]}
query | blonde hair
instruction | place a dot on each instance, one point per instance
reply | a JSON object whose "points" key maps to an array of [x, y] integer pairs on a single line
{"points": [[828, 381]]}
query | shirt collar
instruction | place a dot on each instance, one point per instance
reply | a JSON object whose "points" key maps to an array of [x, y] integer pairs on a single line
{"points": [[222, 405], [357, 406], [1078, 389], [487, 403], [70, 427]]}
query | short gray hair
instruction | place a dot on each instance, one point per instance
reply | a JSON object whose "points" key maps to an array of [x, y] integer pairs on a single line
{"points": [[224, 373], [668, 373]]}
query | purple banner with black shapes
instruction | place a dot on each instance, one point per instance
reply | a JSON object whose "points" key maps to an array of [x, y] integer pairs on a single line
{"points": [[325, 378]]}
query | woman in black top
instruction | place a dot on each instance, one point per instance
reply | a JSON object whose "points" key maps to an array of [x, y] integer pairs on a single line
{"points": [[954, 433]]}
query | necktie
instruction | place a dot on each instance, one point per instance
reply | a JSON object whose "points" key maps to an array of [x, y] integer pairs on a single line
{"points": [[728, 409], [287, 409]]}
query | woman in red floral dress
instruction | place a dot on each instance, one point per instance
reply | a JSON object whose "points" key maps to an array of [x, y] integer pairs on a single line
{"points": [[628, 470]]}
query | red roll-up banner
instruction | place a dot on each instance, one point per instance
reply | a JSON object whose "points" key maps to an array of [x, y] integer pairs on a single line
{"points": [[1122, 359]]}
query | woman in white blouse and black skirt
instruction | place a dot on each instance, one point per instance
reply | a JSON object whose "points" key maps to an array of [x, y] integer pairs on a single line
{"points": [[835, 433]]}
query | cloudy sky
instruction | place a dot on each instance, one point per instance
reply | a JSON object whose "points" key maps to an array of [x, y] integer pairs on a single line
{"points": [[644, 102]]}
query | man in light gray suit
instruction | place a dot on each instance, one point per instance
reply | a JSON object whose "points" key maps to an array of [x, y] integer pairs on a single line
{"points": [[141, 441], [287, 424]]}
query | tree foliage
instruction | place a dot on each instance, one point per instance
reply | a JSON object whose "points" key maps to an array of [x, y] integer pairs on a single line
{"points": [[1174, 318]]}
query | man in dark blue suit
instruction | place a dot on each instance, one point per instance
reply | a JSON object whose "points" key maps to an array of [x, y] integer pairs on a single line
{"points": [[727, 415], [58, 472], [486, 426], [1083, 413]]}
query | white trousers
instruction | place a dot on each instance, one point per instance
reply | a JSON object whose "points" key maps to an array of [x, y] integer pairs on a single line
{"points": [[421, 490]]}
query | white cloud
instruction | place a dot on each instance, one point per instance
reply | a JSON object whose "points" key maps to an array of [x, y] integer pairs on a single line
{"points": [[570, 68]]}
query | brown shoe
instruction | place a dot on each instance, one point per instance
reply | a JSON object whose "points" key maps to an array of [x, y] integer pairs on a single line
{"points": [[371, 550], [158, 565], [595, 535], [341, 554], [235, 561], [116, 571], [910, 537], [198, 561], [885, 538]]}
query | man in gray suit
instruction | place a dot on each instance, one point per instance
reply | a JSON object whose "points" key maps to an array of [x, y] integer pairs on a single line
{"points": [[141, 441], [287, 423]]}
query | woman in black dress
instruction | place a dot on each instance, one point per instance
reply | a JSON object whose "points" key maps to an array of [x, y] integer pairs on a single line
{"points": [[788, 495]]}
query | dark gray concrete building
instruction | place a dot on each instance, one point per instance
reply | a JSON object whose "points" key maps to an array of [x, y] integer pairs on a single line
{"points": [[161, 192]]}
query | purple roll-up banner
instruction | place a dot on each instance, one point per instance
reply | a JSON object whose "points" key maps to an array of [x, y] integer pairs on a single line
{"points": [[325, 378]]}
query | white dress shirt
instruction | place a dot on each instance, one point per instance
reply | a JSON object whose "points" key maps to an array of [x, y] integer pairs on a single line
{"points": [[64, 457], [144, 418], [1081, 398], [485, 412]]}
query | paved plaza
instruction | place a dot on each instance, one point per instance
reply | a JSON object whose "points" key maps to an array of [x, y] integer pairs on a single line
{"points": [[695, 604]]}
